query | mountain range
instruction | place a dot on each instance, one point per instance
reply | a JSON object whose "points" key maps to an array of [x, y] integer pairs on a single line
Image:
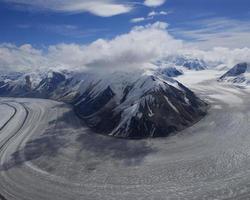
{"points": [[122, 104]]}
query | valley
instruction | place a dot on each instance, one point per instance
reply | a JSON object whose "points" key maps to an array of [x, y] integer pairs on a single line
{"points": [[48, 153]]}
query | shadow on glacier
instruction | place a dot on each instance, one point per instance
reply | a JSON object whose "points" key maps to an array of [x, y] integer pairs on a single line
{"points": [[68, 130], [46, 145], [129, 152]]}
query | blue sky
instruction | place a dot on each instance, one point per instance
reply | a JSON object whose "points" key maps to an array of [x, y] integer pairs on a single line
{"points": [[121, 34], [198, 21]]}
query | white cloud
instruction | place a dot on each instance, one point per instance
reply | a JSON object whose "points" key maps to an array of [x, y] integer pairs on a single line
{"points": [[216, 32], [163, 13], [103, 8], [133, 50], [223, 55], [154, 13], [154, 3], [150, 16], [128, 51], [139, 19], [21, 58]]}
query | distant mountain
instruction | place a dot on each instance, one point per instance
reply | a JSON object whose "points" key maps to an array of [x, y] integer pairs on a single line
{"points": [[49, 84], [195, 64], [34, 84], [170, 71], [182, 62], [10, 75], [239, 74], [13, 87]]}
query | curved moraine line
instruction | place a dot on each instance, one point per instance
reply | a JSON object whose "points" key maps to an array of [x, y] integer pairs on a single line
{"points": [[11, 117], [53, 157], [8, 140]]}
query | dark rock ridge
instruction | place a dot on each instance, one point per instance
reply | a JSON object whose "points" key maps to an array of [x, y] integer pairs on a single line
{"points": [[195, 64], [126, 105], [170, 72]]}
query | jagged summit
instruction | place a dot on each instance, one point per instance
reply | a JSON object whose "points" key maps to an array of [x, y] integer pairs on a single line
{"points": [[148, 106], [239, 74]]}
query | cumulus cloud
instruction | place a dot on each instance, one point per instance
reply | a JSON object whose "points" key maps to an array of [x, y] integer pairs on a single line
{"points": [[103, 8], [221, 55], [132, 50], [21, 58], [154, 3]]}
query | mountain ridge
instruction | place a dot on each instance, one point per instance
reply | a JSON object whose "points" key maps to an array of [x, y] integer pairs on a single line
{"points": [[126, 105], [239, 74]]}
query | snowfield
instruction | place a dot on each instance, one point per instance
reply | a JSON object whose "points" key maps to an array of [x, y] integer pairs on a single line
{"points": [[46, 153]]}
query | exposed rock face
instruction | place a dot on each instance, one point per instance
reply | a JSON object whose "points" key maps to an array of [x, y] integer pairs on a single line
{"points": [[147, 107], [170, 72], [239, 74], [28, 82], [15, 88], [49, 84], [195, 64], [126, 105]]}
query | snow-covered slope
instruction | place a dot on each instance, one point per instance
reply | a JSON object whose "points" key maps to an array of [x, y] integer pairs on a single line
{"points": [[182, 62], [239, 74], [35, 84], [21, 85], [128, 105], [136, 106]]}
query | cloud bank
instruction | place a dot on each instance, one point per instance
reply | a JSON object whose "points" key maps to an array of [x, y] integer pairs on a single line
{"points": [[134, 50], [22, 58]]}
